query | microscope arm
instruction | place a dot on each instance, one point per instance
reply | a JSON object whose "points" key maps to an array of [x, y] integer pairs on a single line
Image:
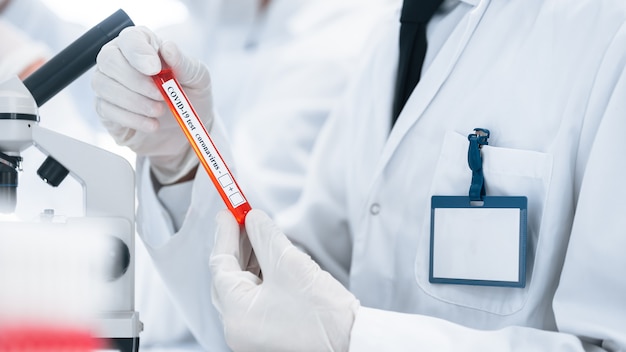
{"points": [[107, 178]]}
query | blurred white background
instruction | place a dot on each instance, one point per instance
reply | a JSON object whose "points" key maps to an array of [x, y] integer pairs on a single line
{"points": [[151, 13]]}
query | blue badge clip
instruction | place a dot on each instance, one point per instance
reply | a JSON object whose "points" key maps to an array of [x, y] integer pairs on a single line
{"points": [[475, 161]]}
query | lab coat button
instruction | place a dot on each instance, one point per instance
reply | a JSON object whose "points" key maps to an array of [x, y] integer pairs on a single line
{"points": [[375, 209]]}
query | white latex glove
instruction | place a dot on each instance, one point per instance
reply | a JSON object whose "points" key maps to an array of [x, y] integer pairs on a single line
{"points": [[133, 110], [296, 306]]}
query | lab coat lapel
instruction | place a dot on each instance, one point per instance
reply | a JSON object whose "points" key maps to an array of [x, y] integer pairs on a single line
{"points": [[433, 78]]}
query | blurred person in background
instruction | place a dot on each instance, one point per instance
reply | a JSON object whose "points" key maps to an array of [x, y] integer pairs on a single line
{"points": [[39, 23]]}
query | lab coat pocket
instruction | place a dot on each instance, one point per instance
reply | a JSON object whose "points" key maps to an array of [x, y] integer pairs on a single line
{"points": [[508, 172]]}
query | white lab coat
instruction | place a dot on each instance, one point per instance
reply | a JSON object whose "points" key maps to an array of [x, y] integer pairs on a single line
{"points": [[547, 78], [275, 79]]}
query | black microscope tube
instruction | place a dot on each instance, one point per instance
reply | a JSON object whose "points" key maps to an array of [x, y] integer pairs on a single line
{"points": [[75, 59]]}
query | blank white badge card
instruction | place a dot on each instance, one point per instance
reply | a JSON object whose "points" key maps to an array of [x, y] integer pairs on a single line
{"points": [[478, 243]]}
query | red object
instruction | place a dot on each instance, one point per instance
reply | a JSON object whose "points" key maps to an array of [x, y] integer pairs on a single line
{"points": [[47, 339], [201, 142]]}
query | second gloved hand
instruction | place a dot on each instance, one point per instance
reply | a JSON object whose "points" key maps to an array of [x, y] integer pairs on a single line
{"points": [[296, 306], [132, 109]]}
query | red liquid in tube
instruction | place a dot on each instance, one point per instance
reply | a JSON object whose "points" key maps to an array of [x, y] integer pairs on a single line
{"points": [[202, 144]]}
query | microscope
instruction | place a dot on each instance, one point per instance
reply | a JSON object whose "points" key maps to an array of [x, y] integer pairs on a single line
{"points": [[107, 181]]}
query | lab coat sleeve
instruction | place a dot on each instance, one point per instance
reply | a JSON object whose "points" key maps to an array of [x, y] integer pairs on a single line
{"points": [[591, 298], [317, 222], [163, 324], [379, 330], [180, 256], [589, 304]]}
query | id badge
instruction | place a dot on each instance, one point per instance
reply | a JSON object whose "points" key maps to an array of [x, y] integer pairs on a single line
{"points": [[478, 243]]}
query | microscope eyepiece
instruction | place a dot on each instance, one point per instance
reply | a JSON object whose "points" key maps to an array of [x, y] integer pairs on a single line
{"points": [[74, 60]]}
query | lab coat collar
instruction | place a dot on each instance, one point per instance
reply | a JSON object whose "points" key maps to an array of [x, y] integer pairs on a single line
{"points": [[469, 2], [434, 77], [448, 4]]}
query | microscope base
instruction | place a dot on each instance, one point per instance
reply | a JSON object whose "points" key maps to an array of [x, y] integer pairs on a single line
{"points": [[120, 330]]}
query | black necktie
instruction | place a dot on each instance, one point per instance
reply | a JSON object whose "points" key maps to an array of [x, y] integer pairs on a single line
{"points": [[413, 20]]}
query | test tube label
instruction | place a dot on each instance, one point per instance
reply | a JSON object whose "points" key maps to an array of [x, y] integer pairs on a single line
{"points": [[225, 180], [203, 143], [237, 199]]}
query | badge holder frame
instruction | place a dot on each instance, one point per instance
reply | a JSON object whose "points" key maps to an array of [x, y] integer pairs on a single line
{"points": [[478, 200]]}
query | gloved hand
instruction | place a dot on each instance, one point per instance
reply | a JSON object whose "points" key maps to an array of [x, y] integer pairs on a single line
{"points": [[132, 109], [296, 306]]}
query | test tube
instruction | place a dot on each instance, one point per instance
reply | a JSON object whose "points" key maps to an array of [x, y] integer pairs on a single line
{"points": [[202, 144]]}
